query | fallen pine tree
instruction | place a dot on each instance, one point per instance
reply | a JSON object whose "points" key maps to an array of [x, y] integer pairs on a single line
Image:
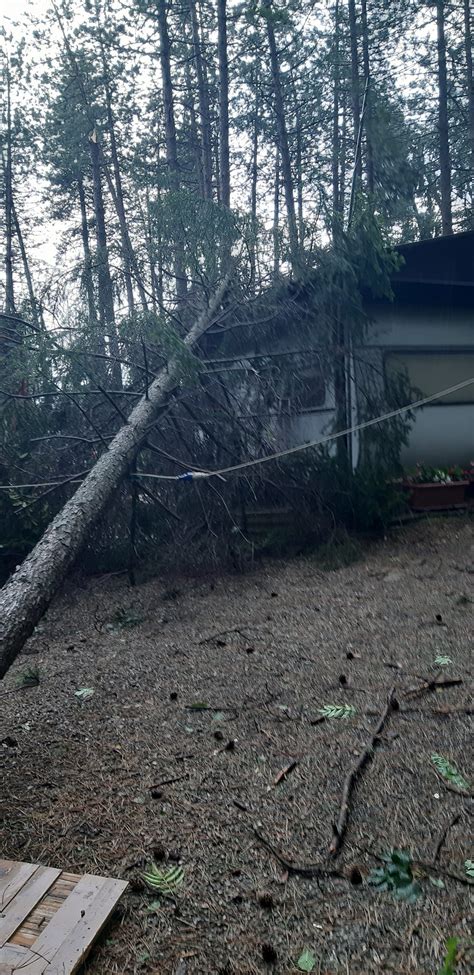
{"points": [[27, 594]]}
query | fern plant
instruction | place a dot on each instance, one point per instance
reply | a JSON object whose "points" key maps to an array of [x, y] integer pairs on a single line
{"points": [[469, 868], [449, 772], [334, 711], [164, 881], [443, 661]]}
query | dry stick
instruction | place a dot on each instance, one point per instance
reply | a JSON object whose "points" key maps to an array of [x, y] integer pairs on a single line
{"points": [[442, 836], [311, 870], [340, 827], [432, 685]]}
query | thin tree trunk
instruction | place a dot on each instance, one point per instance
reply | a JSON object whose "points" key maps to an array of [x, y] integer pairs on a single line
{"points": [[87, 275], [128, 255], [355, 83], [253, 187], [171, 144], [224, 158], [299, 172], [336, 147], [104, 280], [204, 111], [150, 251], [9, 286], [469, 83], [25, 597], [343, 159], [369, 162], [282, 133], [195, 138], [276, 215], [443, 128], [35, 312]]}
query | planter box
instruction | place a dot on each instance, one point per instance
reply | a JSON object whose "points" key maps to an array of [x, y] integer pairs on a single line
{"points": [[436, 497]]}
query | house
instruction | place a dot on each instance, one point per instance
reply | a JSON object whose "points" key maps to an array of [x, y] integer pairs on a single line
{"points": [[427, 334]]}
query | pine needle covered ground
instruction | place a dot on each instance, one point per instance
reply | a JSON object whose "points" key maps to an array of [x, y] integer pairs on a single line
{"points": [[201, 741]]}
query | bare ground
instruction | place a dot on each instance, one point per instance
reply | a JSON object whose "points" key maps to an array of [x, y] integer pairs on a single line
{"points": [[135, 774]]}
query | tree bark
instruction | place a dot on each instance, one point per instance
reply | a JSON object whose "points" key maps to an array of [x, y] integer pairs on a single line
{"points": [[224, 158], [9, 286], [443, 127], [204, 111], [469, 84], [355, 83], [26, 596], [282, 133]]}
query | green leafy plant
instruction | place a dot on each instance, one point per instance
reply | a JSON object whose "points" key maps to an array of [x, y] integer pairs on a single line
{"points": [[469, 868], [436, 475], [307, 961], [337, 711], [397, 876], [449, 772], [83, 693], [449, 963], [164, 881], [30, 677], [443, 661]]}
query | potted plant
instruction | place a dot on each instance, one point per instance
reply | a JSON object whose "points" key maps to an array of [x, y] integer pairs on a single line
{"points": [[437, 488]]}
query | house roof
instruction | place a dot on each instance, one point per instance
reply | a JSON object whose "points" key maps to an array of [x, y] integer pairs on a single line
{"points": [[438, 268]]}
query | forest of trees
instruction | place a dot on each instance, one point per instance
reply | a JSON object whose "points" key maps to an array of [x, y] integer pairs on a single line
{"points": [[141, 140], [155, 153]]}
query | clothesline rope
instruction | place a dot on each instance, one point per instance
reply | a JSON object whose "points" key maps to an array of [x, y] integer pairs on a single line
{"points": [[280, 454]]}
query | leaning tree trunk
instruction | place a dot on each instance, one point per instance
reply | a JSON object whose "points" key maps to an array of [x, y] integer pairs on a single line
{"points": [[26, 596]]}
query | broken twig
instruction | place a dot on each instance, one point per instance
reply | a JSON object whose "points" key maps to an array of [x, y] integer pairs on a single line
{"points": [[432, 685], [282, 774], [313, 870], [340, 827], [442, 837]]}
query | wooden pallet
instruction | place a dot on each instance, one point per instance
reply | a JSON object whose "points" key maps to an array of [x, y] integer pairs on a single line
{"points": [[49, 919]]}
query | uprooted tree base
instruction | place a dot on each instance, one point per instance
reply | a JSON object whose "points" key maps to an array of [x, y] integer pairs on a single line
{"points": [[200, 730]]}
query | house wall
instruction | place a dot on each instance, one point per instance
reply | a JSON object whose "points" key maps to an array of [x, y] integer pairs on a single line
{"points": [[441, 433]]}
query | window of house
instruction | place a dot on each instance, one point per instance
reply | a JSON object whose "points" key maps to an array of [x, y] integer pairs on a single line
{"points": [[307, 384], [430, 372]]}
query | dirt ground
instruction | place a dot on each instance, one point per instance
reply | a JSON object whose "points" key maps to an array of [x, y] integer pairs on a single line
{"points": [[135, 773]]}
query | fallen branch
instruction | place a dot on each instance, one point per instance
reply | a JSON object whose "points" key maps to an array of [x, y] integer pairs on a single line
{"points": [[442, 837], [313, 870], [432, 685], [340, 827], [282, 774]]}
